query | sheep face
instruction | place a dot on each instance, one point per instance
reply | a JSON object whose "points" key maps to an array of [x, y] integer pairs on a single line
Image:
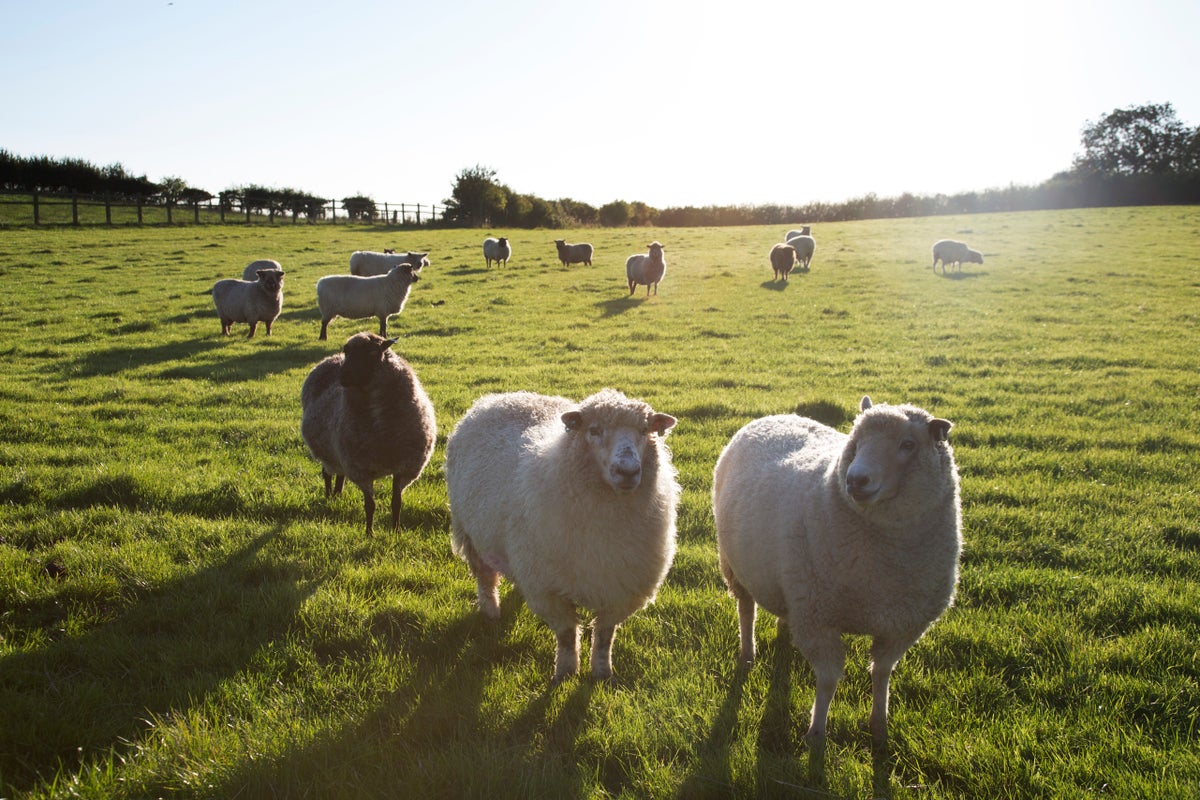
{"points": [[886, 445], [271, 279], [363, 353], [617, 442], [655, 250], [974, 257]]}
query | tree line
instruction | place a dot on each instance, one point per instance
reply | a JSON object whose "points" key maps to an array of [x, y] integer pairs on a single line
{"points": [[1141, 155]]}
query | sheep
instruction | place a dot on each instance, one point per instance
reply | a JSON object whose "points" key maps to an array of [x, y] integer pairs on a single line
{"points": [[805, 246], [949, 251], [365, 415], [250, 273], [803, 231], [255, 301], [646, 268], [575, 503], [366, 263], [783, 258], [837, 534], [498, 250], [573, 253], [352, 296]]}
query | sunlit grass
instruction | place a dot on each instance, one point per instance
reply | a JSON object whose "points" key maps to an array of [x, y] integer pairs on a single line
{"points": [[182, 612]]}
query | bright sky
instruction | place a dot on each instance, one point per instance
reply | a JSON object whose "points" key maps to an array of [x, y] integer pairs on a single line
{"points": [[670, 103]]}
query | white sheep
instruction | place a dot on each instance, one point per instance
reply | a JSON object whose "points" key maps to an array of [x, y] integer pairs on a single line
{"points": [[250, 273], [575, 503], [365, 416], [803, 231], [255, 301], [498, 250], [574, 253], [646, 268], [838, 534], [949, 251], [352, 296], [805, 246], [366, 263], [783, 258]]}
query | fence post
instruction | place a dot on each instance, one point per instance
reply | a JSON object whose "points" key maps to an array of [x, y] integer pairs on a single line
{"points": [[418, 214], [196, 212], [36, 211], [221, 212], [168, 212], [75, 210], [247, 213], [108, 210], [139, 208]]}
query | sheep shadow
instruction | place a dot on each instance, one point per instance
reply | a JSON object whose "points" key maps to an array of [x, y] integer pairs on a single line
{"points": [[774, 285], [259, 597], [715, 768], [619, 305], [959, 275], [116, 360], [250, 366]]}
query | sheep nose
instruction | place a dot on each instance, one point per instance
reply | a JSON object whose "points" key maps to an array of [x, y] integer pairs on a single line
{"points": [[857, 485]]}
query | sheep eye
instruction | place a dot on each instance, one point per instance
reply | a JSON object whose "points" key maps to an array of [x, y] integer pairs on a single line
{"points": [[595, 430], [908, 445]]}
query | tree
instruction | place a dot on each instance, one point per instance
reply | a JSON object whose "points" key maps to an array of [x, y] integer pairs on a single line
{"points": [[476, 199], [359, 207], [615, 214], [1139, 140]]}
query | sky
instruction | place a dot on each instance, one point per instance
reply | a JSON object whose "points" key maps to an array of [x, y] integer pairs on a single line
{"points": [[668, 103]]}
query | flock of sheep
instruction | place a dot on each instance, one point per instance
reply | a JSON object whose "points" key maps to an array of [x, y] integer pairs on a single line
{"points": [[575, 502]]}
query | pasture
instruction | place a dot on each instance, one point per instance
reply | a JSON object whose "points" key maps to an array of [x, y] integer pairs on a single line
{"points": [[183, 614]]}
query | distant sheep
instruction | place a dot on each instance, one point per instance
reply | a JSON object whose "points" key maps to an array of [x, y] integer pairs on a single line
{"points": [[364, 416], [841, 534], [498, 250], [804, 231], [805, 246], [352, 296], [573, 253], [783, 258], [575, 503], [646, 268], [366, 263], [255, 301], [250, 273], [949, 251]]}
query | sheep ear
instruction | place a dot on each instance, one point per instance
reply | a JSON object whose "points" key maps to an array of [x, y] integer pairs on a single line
{"points": [[661, 423], [386, 344], [572, 419], [865, 404], [939, 429]]}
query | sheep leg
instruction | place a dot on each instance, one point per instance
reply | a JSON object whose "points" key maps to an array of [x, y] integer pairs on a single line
{"points": [[268, 324], [253, 328], [560, 615], [398, 487], [324, 328], [383, 326], [226, 324], [328, 483], [885, 653], [746, 613], [827, 655], [602, 639], [369, 505]]}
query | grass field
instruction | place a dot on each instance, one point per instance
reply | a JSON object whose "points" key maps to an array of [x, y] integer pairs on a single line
{"points": [[183, 614]]}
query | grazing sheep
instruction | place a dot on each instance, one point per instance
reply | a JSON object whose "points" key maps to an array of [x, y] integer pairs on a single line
{"points": [[949, 251], [840, 534], [250, 273], [804, 231], [366, 263], [352, 296], [783, 258], [498, 250], [575, 503], [573, 253], [646, 268], [255, 301], [365, 415], [805, 246]]}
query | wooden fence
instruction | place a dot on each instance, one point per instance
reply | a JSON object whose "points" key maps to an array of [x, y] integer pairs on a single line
{"points": [[73, 209]]}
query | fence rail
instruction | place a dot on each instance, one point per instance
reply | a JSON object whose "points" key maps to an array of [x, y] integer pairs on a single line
{"points": [[76, 209]]}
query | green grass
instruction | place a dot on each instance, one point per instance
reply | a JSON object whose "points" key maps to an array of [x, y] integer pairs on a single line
{"points": [[183, 614]]}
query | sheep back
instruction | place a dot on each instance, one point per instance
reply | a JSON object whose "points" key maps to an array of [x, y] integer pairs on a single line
{"points": [[353, 296], [838, 533], [783, 258], [528, 499], [366, 263], [805, 247], [250, 273], [253, 302], [365, 415]]}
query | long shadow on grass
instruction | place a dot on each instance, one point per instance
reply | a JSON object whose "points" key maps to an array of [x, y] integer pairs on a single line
{"points": [[250, 366], [620, 305], [83, 696], [713, 776], [116, 360]]}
